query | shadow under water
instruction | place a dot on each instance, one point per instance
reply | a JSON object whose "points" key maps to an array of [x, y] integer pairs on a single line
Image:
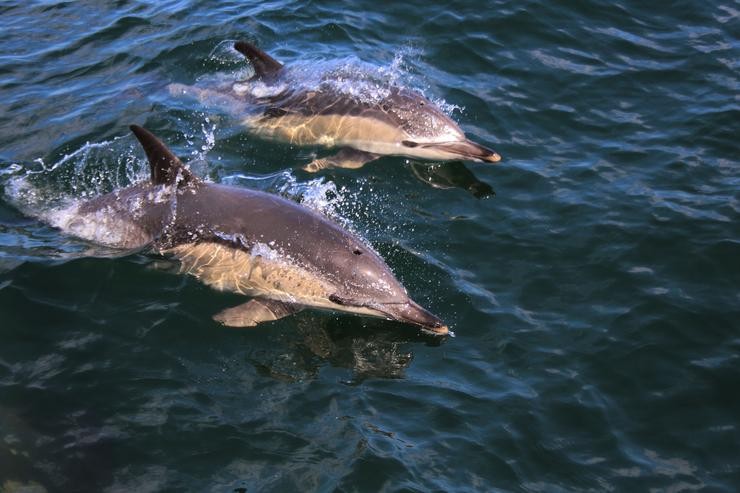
{"points": [[452, 174], [376, 350]]}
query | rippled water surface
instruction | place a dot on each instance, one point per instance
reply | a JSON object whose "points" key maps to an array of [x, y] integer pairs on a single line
{"points": [[592, 277]]}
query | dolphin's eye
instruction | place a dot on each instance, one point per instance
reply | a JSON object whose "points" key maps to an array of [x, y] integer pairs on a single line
{"points": [[357, 251], [408, 143]]}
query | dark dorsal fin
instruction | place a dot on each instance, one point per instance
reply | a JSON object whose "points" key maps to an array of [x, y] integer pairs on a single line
{"points": [[164, 165], [264, 65]]}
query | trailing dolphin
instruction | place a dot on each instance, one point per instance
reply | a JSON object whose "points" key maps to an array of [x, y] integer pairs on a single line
{"points": [[400, 122], [281, 254]]}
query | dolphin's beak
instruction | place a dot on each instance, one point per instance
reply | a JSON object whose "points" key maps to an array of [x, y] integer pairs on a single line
{"points": [[412, 313], [467, 149]]}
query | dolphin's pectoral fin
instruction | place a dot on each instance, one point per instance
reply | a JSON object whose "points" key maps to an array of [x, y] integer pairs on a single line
{"points": [[254, 312], [345, 158]]}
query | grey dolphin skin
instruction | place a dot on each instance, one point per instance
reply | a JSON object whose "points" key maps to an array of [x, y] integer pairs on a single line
{"points": [[403, 122], [281, 254]]}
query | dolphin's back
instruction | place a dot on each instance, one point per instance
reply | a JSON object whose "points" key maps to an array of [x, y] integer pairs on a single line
{"points": [[220, 212]]}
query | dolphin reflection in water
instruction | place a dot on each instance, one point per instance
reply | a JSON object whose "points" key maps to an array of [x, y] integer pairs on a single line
{"points": [[399, 121], [284, 256]]}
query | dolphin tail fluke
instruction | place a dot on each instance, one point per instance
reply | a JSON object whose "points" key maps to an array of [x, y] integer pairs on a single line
{"points": [[255, 312], [165, 166], [345, 158], [264, 65]]}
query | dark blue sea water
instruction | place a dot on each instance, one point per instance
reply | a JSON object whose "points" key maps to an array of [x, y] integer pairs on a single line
{"points": [[592, 277]]}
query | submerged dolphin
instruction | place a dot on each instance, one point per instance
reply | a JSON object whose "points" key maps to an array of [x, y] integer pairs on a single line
{"points": [[402, 122], [283, 255]]}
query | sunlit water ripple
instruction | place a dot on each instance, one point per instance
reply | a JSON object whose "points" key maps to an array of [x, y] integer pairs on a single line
{"points": [[591, 277]]}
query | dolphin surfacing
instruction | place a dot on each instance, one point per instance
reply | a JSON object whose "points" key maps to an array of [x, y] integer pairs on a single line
{"points": [[402, 122], [279, 253]]}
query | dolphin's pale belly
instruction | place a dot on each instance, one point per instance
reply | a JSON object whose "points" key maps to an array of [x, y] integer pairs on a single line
{"points": [[366, 134], [260, 273], [252, 274]]}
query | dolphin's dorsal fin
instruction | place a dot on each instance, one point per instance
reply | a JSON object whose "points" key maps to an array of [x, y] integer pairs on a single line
{"points": [[264, 65], [165, 166]]}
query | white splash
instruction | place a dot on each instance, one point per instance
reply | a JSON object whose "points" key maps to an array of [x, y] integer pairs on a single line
{"points": [[318, 194], [93, 169], [259, 89], [54, 193], [208, 131], [267, 252], [102, 226]]}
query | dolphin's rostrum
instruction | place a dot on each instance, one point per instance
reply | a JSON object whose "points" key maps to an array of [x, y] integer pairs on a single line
{"points": [[401, 122], [283, 255]]}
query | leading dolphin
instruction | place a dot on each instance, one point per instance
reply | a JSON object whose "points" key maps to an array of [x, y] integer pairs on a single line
{"points": [[401, 122], [281, 254]]}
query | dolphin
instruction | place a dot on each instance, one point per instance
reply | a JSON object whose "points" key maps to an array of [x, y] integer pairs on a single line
{"points": [[282, 255], [402, 122]]}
